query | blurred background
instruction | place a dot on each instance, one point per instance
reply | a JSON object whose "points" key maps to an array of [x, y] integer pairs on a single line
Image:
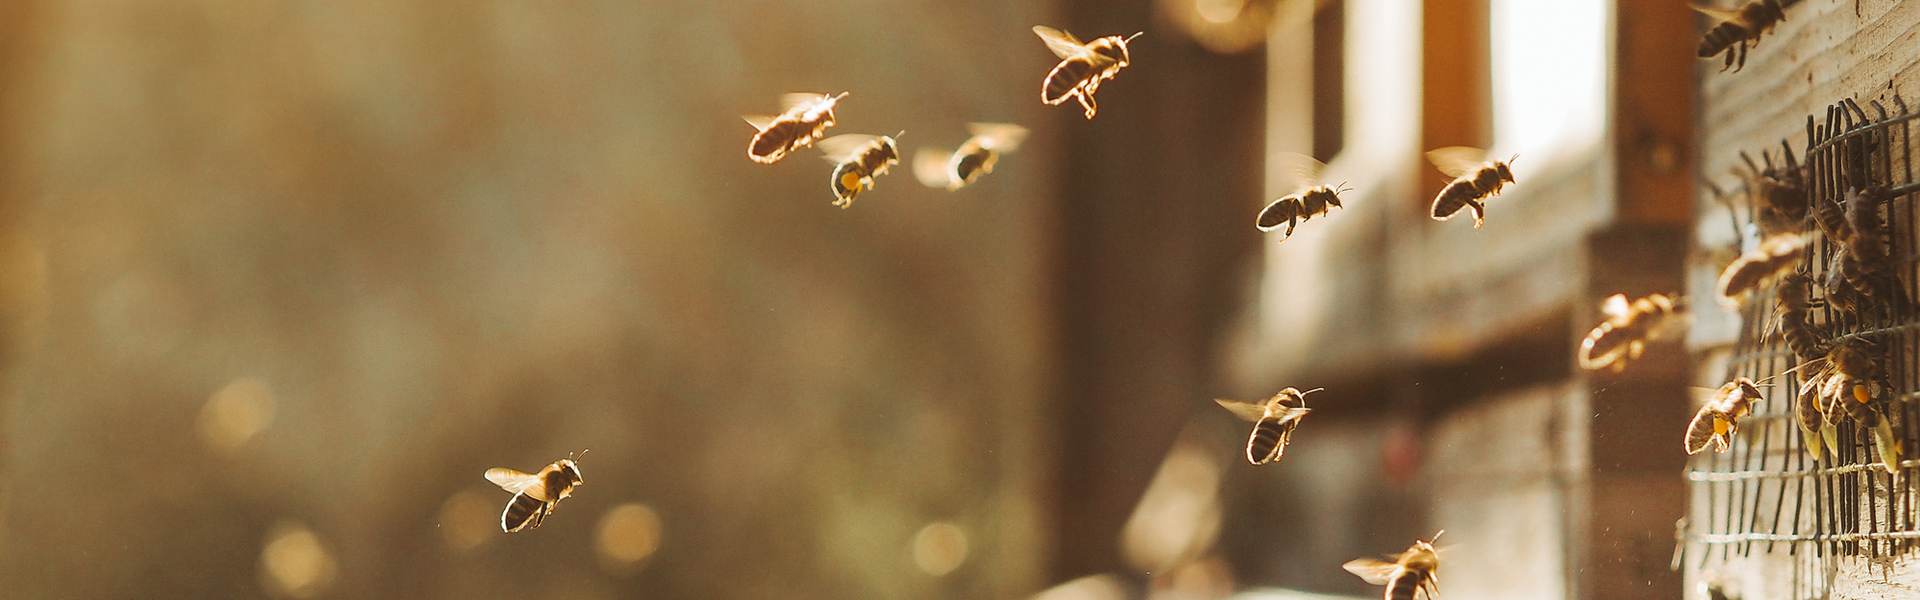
{"points": [[280, 279]]}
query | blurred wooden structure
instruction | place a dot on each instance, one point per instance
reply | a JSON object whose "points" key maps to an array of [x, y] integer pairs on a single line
{"points": [[1448, 351]]}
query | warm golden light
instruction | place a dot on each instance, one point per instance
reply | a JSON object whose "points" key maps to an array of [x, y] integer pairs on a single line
{"points": [[939, 548], [295, 564], [1179, 515], [236, 413], [628, 535], [469, 518], [1093, 587]]}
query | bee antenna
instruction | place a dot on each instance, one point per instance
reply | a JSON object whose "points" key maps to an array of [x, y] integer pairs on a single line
{"points": [[1312, 391], [1516, 156], [1130, 38], [583, 454], [1436, 536]]}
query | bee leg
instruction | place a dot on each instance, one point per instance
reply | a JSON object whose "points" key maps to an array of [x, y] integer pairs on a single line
{"points": [[1479, 212], [1086, 102], [1729, 62], [1742, 63]]}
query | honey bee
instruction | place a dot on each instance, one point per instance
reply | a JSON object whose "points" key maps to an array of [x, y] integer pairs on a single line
{"points": [[1307, 201], [1778, 193], [1273, 422], [1417, 569], [1866, 262], [858, 159], [976, 157], [1832, 220], [1759, 266], [1719, 419], [1814, 427], [1475, 179], [535, 494], [805, 120], [1083, 65], [1805, 339], [1854, 382], [1739, 29], [1627, 330]]}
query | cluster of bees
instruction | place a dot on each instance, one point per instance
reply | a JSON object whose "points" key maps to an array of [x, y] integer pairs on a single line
{"points": [[1841, 378], [858, 158]]}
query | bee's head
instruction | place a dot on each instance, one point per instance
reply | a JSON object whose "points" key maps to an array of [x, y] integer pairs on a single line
{"points": [[890, 148], [570, 468], [1114, 48], [1506, 172]]}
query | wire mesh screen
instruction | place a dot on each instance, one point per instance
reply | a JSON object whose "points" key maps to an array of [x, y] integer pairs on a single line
{"points": [[1769, 492]]}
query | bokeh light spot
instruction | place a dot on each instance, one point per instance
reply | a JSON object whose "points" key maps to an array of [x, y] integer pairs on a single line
{"points": [[469, 518], [294, 563], [939, 548], [236, 413], [628, 536]]}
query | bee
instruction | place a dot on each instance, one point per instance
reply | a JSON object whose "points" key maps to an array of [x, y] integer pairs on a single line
{"points": [[1307, 201], [858, 159], [1759, 266], [1475, 179], [535, 495], [1719, 419], [1273, 422], [1867, 264], [1832, 220], [1805, 339], [976, 157], [1841, 296], [1854, 381], [1415, 570], [1739, 29], [1778, 194], [1814, 426], [1083, 65], [805, 120], [1627, 330]]}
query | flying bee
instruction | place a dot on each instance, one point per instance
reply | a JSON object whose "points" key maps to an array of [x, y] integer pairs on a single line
{"points": [[1778, 193], [535, 494], [1417, 569], [858, 160], [805, 120], [1739, 29], [1804, 338], [976, 157], [1759, 266], [1273, 422], [1628, 329], [1719, 419], [1475, 179], [1083, 65], [1307, 201]]}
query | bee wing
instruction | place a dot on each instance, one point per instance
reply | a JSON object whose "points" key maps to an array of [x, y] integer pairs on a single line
{"points": [[1375, 571], [1456, 160], [1718, 14], [790, 101], [842, 147], [513, 481], [1298, 171], [1615, 306], [999, 137], [930, 167], [1063, 44], [1700, 431], [759, 122], [1247, 411]]}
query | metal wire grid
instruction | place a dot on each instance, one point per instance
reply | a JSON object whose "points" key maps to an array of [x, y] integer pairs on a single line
{"points": [[1767, 491]]}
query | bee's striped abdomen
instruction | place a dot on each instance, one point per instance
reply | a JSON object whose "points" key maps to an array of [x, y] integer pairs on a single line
{"points": [[1722, 37], [1405, 584], [524, 512], [1064, 79], [971, 165], [1452, 198], [1269, 439]]}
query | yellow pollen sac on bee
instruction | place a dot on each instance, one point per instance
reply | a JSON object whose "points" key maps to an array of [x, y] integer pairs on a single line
{"points": [[1861, 395], [1720, 426]]}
